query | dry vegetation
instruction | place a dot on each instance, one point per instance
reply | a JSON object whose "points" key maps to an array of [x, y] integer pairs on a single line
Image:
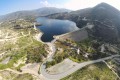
{"points": [[98, 71], [20, 46]]}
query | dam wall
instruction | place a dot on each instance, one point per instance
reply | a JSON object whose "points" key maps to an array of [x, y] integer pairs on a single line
{"points": [[78, 35]]}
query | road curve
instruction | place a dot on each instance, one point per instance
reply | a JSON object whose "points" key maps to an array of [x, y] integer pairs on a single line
{"points": [[77, 67], [64, 74]]}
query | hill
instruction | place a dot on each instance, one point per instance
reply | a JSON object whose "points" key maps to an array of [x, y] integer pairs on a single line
{"points": [[32, 14], [104, 17]]}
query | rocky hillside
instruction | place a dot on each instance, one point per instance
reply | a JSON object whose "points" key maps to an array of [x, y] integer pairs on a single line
{"points": [[31, 14], [104, 17]]}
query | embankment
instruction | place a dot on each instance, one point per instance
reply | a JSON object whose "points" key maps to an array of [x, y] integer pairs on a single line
{"points": [[78, 35]]}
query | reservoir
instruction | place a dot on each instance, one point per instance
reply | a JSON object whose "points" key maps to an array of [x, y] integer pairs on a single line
{"points": [[51, 27]]}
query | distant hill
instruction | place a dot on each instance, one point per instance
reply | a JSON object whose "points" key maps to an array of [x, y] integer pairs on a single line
{"points": [[104, 17], [31, 14], [100, 12]]}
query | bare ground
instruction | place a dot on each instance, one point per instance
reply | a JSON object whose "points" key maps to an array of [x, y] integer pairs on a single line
{"points": [[62, 67]]}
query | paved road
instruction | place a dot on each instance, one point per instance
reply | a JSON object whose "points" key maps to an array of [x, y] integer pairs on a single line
{"points": [[64, 74], [52, 51], [77, 67]]}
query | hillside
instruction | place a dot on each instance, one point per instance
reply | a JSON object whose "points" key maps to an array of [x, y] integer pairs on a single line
{"points": [[104, 17], [91, 52], [100, 12], [32, 14]]}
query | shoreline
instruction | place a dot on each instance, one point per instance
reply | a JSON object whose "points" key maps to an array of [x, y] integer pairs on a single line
{"points": [[38, 37]]}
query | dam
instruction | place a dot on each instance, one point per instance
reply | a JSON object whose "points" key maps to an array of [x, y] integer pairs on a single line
{"points": [[77, 35]]}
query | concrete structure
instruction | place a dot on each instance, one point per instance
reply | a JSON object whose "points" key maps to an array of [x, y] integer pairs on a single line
{"points": [[35, 26], [78, 35]]}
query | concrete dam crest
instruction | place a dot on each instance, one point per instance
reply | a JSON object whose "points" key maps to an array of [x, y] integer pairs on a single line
{"points": [[78, 35]]}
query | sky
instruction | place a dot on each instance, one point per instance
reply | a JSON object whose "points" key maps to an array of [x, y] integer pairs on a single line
{"points": [[8, 6]]}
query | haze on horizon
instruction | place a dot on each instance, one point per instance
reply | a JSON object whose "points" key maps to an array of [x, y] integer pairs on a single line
{"points": [[8, 6]]}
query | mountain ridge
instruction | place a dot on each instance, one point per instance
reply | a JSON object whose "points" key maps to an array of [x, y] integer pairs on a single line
{"points": [[101, 15], [26, 14]]}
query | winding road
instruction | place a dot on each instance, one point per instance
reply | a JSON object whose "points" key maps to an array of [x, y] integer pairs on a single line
{"points": [[59, 76], [64, 74]]}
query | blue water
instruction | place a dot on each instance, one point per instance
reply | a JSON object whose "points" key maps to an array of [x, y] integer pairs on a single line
{"points": [[51, 27]]}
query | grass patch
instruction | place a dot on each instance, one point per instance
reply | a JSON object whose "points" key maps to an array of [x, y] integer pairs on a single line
{"points": [[25, 76], [8, 75], [73, 59], [19, 67], [98, 71], [25, 46], [36, 52], [23, 41], [15, 56]]}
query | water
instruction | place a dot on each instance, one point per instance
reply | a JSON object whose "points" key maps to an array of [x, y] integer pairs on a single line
{"points": [[51, 27]]}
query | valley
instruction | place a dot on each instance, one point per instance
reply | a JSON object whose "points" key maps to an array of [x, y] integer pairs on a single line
{"points": [[60, 45]]}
